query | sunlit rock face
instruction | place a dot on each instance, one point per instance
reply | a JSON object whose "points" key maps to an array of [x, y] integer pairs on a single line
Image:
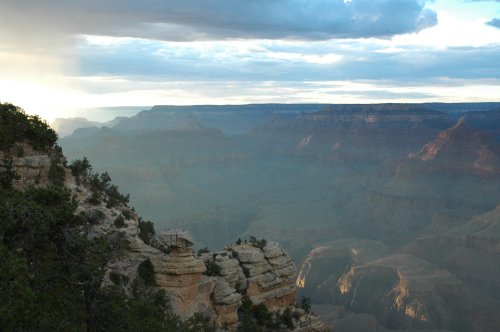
{"points": [[460, 149]]}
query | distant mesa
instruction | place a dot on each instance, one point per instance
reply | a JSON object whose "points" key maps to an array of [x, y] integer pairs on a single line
{"points": [[67, 126]]}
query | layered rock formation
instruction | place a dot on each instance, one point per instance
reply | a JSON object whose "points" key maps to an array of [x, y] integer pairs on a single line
{"points": [[268, 274], [265, 275], [190, 292], [262, 273], [180, 274], [343, 134], [460, 149]]}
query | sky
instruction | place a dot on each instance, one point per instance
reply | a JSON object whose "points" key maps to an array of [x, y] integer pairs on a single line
{"points": [[58, 57]]}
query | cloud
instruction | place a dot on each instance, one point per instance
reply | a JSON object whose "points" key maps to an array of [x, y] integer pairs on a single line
{"points": [[286, 61], [494, 22], [174, 20]]}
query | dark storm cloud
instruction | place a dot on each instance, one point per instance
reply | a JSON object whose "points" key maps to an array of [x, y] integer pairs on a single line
{"points": [[220, 19]]}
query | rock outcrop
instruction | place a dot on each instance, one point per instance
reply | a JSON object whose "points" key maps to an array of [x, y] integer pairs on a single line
{"points": [[181, 275], [264, 273], [268, 274]]}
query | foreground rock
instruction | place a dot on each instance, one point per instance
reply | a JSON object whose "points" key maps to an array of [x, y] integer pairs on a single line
{"points": [[191, 292], [263, 273]]}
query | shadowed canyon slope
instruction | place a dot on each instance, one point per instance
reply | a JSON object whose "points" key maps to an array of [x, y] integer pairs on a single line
{"points": [[391, 208]]}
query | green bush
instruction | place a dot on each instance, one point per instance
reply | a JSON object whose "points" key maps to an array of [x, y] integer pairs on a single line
{"points": [[81, 169], [147, 231], [114, 197], [94, 199], [262, 315], [8, 174], [127, 214], [119, 221], [56, 173], [203, 251], [146, 272], [17, 126], [239, 289], [93, 217], [100, 184], [258, 243], [212, 269], [19, 151], [261, 244], [248, 323], [305, 304], [287, 318], [202, 322], [118, 278], [18, 299]]}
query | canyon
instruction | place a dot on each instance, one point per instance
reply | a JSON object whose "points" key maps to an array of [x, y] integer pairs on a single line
{"points": [[390, 210]]}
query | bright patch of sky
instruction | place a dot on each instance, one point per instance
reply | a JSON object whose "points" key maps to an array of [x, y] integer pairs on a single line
{"points": [[124, 53]]}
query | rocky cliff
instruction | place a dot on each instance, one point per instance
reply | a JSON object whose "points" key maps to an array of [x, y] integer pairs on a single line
{"points": [[214, 284], [263, 273]]}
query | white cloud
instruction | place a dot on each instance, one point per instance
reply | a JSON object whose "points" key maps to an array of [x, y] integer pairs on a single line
{"points": [[451, 32], [324, 59]]}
